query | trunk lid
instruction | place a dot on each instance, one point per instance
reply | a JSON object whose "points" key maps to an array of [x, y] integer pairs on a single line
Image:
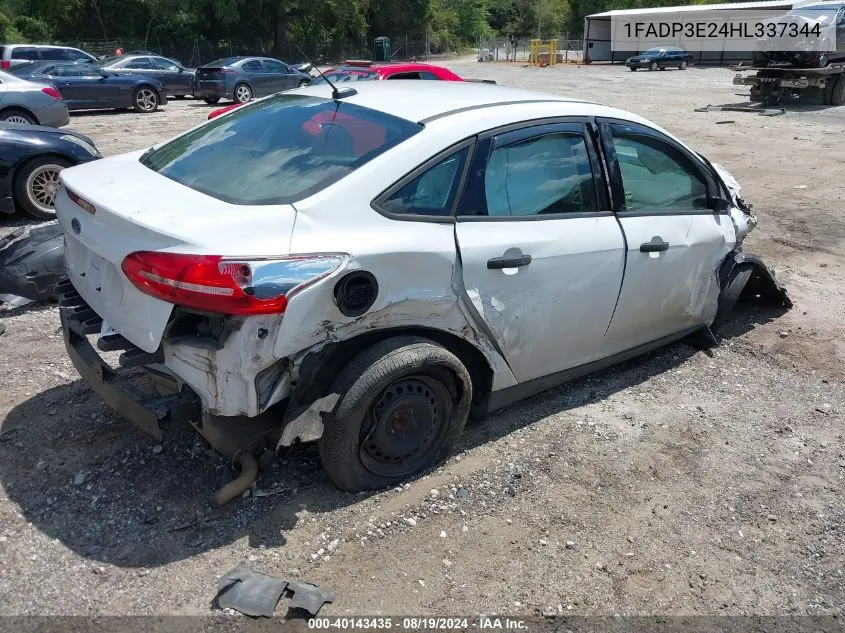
{"points": [[139, 210]]}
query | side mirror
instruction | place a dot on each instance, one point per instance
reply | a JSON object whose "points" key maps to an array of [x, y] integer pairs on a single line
{"points": [[718, 203]]}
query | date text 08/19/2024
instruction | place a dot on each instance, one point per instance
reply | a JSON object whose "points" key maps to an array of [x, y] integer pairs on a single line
{"points": [[483, 623]]}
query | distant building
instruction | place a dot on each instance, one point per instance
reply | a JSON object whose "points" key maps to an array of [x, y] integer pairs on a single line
{"points": [[597, 31]]}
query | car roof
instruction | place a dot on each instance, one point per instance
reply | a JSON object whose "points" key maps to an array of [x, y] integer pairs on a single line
{"points": [[54, 46], [419, 101]]}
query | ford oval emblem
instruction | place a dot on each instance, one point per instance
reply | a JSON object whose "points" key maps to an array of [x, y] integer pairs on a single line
{"points": [[75, 226]]}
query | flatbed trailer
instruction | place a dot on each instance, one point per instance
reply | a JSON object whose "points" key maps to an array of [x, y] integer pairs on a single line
{"points": [[772, 83]]}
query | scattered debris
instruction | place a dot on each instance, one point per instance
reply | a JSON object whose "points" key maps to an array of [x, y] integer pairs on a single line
{"points": [[32, 262], [411, 522], [742, 107], [800, 187], [724, 122], [255, 594]]}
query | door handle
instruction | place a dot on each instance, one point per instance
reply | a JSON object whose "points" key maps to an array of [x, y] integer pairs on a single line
{"points": [[656, 245], [516, 261]]}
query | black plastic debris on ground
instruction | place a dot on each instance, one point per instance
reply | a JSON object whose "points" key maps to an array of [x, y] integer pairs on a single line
{"points": [[255, 594], [32, 262]]}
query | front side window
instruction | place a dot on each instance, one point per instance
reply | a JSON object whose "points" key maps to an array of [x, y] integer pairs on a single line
{"points": [[78, 56], [411, 75], [433, 192], [655, 175], [278, 150], [543, 175]]}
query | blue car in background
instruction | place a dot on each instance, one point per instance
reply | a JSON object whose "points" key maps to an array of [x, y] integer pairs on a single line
{"points": [[88, 87], [242, 78]]}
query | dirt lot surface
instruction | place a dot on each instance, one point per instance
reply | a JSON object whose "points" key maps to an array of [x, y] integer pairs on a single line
{"points": [[678, 483]]}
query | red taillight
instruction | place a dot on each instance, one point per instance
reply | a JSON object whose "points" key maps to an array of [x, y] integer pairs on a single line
{"points": [[5, 64], [49, 90], [227, 285]]}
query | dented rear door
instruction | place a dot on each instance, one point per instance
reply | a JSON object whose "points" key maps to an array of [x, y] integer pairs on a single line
{"points": [[674, 242], [542, 256]]}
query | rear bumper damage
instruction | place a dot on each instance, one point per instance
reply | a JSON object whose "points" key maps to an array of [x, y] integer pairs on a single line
{"points": [[146, 411]]}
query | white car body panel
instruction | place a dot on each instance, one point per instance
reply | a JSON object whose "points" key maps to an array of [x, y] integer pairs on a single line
{"points": [[552, 314], [546, 318]]}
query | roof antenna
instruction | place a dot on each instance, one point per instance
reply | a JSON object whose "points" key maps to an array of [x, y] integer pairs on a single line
{"points": [[336, 94]]}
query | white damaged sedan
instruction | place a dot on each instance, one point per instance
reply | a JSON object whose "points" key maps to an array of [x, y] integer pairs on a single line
{"points": [[367, 268]]}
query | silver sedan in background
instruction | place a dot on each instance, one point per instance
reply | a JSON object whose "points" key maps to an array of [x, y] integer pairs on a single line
{"points": [[31, 103]]}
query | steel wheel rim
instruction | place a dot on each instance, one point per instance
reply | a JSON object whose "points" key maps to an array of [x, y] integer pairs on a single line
{"points": [[42, 186], [243, 93], [405, 426], [683, 65], [146, 100], [17, 118]]}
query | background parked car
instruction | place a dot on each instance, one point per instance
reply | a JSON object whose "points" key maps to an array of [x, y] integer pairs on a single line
{"points": [[25, 102], [12, 55], [661, 57], [31, 158], [89, 87], [178, 81], [242, 78], [816, 50], [361, 71]]}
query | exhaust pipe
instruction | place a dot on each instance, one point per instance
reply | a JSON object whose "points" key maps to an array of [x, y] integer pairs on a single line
{"points": [[236, 487]]}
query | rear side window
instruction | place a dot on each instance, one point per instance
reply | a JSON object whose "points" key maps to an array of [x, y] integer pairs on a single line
{"points": [[253, 66], [55, 54], [278, 150], [142, 63], [431, 193], [544, 175], [25, 52], [339, 76]]}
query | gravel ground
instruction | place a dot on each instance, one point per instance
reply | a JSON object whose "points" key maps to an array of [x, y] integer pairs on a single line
{"points": [[683, 482]]}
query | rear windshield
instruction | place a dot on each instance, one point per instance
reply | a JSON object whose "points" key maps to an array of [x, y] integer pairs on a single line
{"points": [[278, 150], [219, 63]]}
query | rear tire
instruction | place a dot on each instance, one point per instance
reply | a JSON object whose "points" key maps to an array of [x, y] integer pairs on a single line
{"points": [[683, 65], [16, 115], [212, 100], [36, 184], [145, 99], [242, 93], [403, 405], [837, 93]]}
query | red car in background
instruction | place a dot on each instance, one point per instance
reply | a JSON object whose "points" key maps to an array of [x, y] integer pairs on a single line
{"points": [[369, 71]]}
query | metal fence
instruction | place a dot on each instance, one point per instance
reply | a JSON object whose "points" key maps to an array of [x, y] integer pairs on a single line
{"points": [[517, 50]]}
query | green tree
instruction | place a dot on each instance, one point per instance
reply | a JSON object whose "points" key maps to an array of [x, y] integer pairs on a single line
{"points": [[31, 29]]}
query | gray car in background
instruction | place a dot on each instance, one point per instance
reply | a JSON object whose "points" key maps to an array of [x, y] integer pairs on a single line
{"points": [[12, 55], [23, 101], [178, 81], [242, 78]]}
